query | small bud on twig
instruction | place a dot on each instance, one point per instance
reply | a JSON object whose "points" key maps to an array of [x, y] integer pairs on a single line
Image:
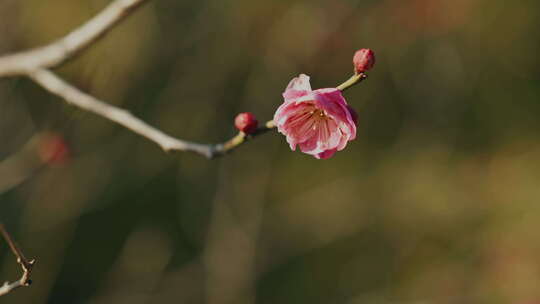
{"points": [[246, 122], [363, 60]]}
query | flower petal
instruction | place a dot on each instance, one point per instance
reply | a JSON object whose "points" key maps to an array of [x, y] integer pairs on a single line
{"points": [[326, 154], [300, 83], [298, 89]]}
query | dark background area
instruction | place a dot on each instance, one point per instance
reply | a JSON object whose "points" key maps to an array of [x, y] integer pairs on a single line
{"points": [[437, 201]]}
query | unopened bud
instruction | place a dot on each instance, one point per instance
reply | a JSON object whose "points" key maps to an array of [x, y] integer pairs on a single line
{"points": [[363, 60], [246, 122]]}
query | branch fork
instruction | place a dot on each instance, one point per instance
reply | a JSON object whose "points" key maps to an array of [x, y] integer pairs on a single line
{"points": [[26, 265]]}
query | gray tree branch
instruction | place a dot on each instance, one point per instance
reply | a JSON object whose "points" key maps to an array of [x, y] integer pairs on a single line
{"points": [[59, 51], [36, 65], [55, 85]]}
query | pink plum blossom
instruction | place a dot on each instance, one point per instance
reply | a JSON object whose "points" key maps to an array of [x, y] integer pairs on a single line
{"points": [[320, 122]]}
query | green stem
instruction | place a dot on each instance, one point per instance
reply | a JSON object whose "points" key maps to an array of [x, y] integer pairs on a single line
{"points": [[239, 139], [355, 79]]}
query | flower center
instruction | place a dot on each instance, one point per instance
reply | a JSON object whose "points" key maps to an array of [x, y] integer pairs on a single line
{"points": [[318, 114]]}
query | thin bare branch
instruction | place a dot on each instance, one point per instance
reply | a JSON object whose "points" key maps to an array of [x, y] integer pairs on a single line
{"points": [[26, 265], [36, 63], [66, 47], [57, 86]]}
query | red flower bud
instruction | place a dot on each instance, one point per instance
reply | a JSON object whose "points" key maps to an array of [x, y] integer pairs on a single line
{"points": [[363, 60], [246, 122]]}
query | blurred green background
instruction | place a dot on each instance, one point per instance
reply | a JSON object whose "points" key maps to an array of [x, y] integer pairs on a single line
{"points": [[437, 201]]}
